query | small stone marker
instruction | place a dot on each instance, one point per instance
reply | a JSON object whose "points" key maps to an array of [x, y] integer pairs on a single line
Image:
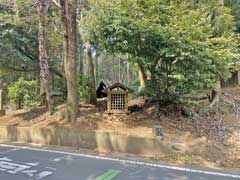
{"points": [[2, 111], [157, 131]]}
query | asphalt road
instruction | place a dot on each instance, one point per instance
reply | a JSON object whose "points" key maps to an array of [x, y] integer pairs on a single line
{"points": [[29, 163]]}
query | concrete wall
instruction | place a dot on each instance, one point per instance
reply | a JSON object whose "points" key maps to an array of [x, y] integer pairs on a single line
{"points": [[99, 141]]}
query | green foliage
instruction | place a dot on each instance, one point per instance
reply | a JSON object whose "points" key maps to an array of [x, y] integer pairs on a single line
{"points": [[19, 46], [60, 87], [24, 92], [19, 38], [185, 46], [83, 87], [18, 50], [235, 6]]}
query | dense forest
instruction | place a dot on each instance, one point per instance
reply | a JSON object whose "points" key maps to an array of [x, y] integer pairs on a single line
{"points": [[167, 50]]}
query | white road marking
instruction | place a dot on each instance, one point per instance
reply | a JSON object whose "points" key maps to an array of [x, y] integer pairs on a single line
{"points": [[69, 158], [33, 164], [51, 168], [214, 173], [12, 167], [8, 151], [19, 162], [43, 175], [5, 159], [30, 173]]}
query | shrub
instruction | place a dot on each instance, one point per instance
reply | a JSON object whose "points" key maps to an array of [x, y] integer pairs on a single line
{"points": [[83, 87], [24, 93]]}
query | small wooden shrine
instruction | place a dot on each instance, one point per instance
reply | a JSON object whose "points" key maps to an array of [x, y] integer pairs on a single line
{"points": [[117, 98]]}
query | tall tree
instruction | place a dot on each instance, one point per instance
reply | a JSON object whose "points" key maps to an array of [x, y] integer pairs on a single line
{"points": [[88, 38], [45, 75], [91, 75], [81, 56], [69, 24], [174, 40], [217, 90], [142, 75]]}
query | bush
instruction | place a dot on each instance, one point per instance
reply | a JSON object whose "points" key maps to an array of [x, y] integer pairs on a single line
{"points": [[24, 93], [83, 87]]}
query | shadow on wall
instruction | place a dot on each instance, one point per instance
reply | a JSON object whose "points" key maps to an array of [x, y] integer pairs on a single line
{"points": [[98, 141], [106, 142]]}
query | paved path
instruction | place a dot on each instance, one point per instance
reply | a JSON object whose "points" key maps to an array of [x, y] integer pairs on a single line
{"points": [[28, 163]]}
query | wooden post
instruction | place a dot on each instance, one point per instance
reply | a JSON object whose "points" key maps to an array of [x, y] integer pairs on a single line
{"points": [[128, 74], [126, 102], [2, 111], [109, 101]]}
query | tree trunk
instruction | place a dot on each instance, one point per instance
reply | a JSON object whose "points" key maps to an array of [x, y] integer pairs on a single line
{"points": [[81, 56], [217, 91], [43, 62], [42, 93], [96, 67], [119, 70], [1, 99], [16, 8], [80, 52], [92, 94], [221, 2], [142, 75], [69, 23], [128, 71], [216, 94]]}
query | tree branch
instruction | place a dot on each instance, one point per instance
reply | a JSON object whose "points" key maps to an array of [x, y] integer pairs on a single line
{"points": [[56, 3]]}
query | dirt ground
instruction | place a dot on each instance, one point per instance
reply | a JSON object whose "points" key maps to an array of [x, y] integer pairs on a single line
{"points": [[205, 137]]}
